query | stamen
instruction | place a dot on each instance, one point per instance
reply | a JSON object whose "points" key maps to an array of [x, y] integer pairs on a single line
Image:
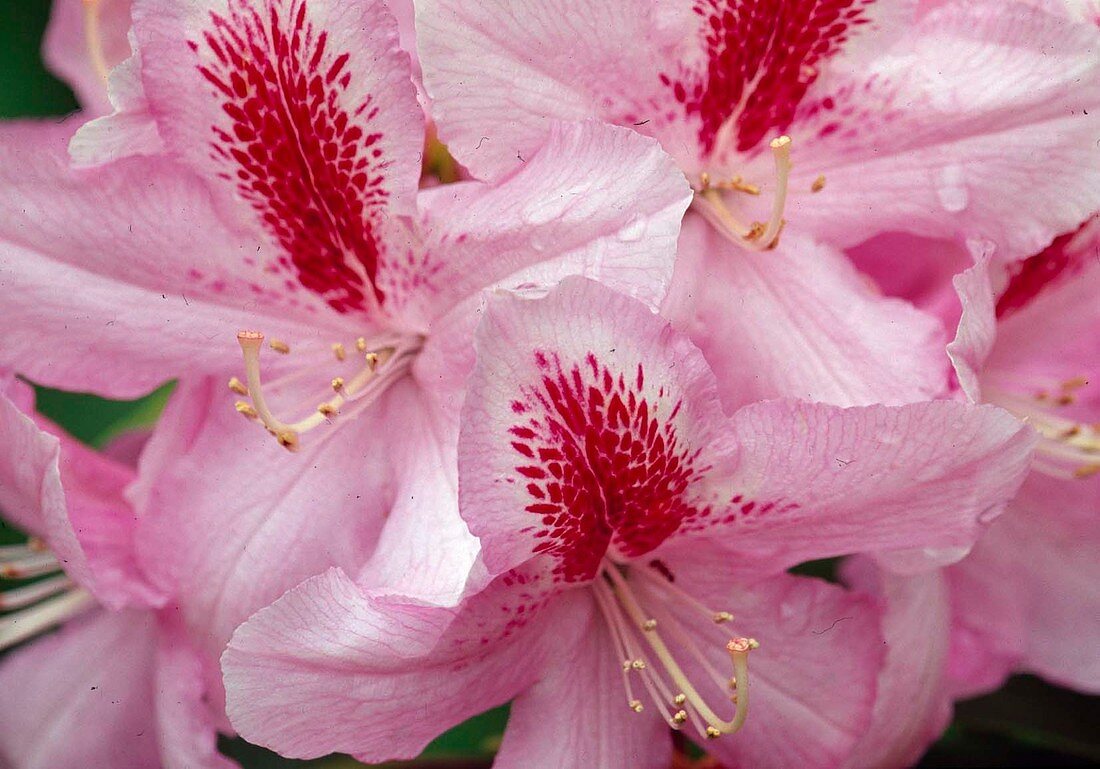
{"points": [[339, 352], [18, 627], [94, 40], [383, 365], [1067, 449], [618, 594], [237, 386], [279, 346], [24, 567], [759, 236], [19, 597], [819, 184]]}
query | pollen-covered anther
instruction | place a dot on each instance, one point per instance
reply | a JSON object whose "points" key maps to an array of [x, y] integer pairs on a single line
{"points": [[758, 236], [237, 386], [279, 346], [643, 608], [636, 706], [385, 363], [819, 184], [713, 733], [722, 616], [339, 351]]}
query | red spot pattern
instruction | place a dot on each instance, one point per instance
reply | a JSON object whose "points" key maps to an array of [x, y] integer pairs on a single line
{"points": [[762, 56], [601, 464], [308, 166], [1063, 258]]}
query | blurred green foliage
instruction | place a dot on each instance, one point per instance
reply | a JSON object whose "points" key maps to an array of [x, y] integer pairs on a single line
{"points": [[1028, 723]]}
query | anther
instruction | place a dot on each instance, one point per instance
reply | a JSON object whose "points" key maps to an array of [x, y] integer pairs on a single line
{"points": [[637, 665], [679, 717], [288, 439], [649, 625], [279, 346], [246, 409], [237, 386], [636, 706], [679, 699], [712, 733], [361, 344], [339, 351], [327, 409], [819, 184], [338, 383], [722, 616], [372, 360]]}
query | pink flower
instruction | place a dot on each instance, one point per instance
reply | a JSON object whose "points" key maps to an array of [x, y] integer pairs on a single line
{"points": [[85, 40], [906, 117], [634, 543], [119, 685], [1025, 598], [924, 121]]}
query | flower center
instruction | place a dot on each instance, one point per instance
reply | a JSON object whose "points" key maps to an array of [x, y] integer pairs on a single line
{"points": [[382, 361], [638, 604], [711, 201], [35, 607], [1068, 448]]}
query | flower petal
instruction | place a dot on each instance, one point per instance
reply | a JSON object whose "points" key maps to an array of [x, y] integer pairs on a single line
{"points": [[799, 321], [67, 48], [592, 200], [816, 481], [128, 263], [351, 666], [82, 697], [303, 117], [913, 704], [576, 716]]}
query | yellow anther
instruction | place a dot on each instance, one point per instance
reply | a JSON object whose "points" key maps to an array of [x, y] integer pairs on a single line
{"points": [[246, 409], [679, 699], [649, 624], [712, 733], [704, 181], [819, 184], [288, 439], [338, 383], [372, 360], [636, 706], [679, 717], [1086, 471], [722, 616], [637, 665], [278, 345], [237, 386], [339, 352], [327, 409], [361, 344]]}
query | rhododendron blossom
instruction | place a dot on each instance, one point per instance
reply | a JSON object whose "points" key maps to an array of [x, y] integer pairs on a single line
{"points": [[1024, 598], [637, 540]]}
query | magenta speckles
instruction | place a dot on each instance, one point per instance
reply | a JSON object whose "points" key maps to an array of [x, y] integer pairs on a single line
{"points": [[602, 464], [762, 56], [310, 168]]}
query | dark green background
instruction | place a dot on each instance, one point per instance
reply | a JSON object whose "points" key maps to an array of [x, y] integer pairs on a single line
{"points": [[1026, 724]]}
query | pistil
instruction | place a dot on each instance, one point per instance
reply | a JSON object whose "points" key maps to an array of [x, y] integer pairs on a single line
{"points": [[710, 201], [642, 636], [382, 365]]}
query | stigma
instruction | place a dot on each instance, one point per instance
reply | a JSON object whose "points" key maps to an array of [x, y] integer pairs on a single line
{"points": [[1067, 448], [642, 607], [34, 607], [380, 362], [710, 201]]}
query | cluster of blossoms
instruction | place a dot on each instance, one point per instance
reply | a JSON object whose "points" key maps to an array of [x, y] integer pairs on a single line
{"points": [[695, 292]]}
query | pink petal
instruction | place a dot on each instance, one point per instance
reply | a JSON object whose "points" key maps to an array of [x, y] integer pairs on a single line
{"points": [[185, 726], [938, 135], [569, 209], [977, 329], [576, 717], [539, 364], [262, 519], [913, 704], [342, 106], [351, 666], [66, 47], [31, 495], [1026, 596], [817, 481], [800, 321], [82, 697], [812, 635], [129, 262]]}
